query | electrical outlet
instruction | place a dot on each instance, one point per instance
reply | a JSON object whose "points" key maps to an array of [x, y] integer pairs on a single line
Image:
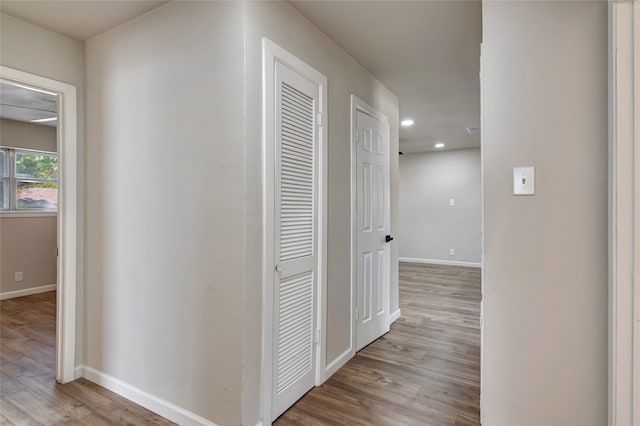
{"points": [[452, 252], [18, 277]]}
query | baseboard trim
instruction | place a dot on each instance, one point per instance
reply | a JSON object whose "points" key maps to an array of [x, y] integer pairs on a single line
{"points": [[338, 362], [394, 316], [78, 372], [157, 405], [27, 291], [440, 262]]}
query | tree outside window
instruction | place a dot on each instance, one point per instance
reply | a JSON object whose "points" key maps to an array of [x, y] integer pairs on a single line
{"points": [[29, 180]]}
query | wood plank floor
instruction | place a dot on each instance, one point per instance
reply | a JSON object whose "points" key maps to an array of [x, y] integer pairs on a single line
{"points": [[425, 371], [29, 394]]}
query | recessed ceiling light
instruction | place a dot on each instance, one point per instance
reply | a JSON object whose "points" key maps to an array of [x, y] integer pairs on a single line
{"points": [[439, 145], [44, 120], [407, 122]]}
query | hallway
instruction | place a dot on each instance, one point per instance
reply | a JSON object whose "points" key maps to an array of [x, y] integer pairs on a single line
{"points": [[425, 371]]}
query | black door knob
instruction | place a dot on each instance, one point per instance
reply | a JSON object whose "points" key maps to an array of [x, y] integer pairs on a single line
{"points": [[388, 238]]}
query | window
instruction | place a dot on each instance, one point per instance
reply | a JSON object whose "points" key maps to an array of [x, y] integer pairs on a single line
{"points": [[4, 179], [28, 180]]}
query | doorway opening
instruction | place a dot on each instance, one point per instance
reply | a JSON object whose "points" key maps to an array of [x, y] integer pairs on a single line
{"points": [[30, 178]]}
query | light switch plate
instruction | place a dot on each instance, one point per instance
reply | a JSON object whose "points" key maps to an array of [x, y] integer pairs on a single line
{"points": [[452, 202], [524, 181]]}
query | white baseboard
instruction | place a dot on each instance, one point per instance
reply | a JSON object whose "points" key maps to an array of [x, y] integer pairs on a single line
{"points": [[440, 262], [394, 316], [337, 363], [78, 372], [27, 291], [157, 405]]}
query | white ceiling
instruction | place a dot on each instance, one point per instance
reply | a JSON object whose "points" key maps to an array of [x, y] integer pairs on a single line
{"points": [[78, 19], [426, 52], [23, 104]]}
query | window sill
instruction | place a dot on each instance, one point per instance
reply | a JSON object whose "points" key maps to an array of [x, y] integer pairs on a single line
{"points": [[22, 214]]}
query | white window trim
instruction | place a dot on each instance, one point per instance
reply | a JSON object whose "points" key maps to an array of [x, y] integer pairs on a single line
{"points": [[12, 214]]}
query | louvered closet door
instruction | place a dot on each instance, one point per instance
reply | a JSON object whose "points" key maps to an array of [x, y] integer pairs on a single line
{"points": [[295, 237]]}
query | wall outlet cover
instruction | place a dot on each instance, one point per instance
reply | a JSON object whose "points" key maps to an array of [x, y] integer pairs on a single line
{"points": [[18, 277]]}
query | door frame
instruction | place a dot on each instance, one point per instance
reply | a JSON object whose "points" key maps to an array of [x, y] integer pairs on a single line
{"points": [[624, 213], [67, 215], [272, 53], [358, 104]]}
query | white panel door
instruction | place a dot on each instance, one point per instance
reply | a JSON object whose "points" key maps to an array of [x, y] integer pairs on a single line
{"points": [[296, 227], [372, 222]]}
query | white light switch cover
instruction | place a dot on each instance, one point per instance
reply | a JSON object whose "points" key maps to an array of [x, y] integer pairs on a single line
{"points": [[524, 181]]}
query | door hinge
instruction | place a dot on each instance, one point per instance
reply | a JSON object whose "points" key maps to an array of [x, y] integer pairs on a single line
{"points": [[317, 337], [320, 119], [357, 137], [356, 314]]}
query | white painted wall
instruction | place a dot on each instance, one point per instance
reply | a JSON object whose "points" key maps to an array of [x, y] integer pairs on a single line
{"points": [[285, 26], [165, 206], [32, 49], [428, 225], [545, 277]]}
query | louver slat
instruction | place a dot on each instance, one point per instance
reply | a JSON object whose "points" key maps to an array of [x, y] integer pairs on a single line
{"points": [[297, 174], [295, 332]]}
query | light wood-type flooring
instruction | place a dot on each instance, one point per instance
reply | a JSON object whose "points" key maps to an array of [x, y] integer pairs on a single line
{"points": [[425, 371], [29, 394]]}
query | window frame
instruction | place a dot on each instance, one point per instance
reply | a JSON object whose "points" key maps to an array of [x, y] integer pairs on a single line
{"points": [[13, 180], [6, 180]]}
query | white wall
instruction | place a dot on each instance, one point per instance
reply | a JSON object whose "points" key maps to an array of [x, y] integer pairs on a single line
{"points": [[428, 225], [545, 277], [29, 48], [165, 206], [282, 24], [28, 244]]}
